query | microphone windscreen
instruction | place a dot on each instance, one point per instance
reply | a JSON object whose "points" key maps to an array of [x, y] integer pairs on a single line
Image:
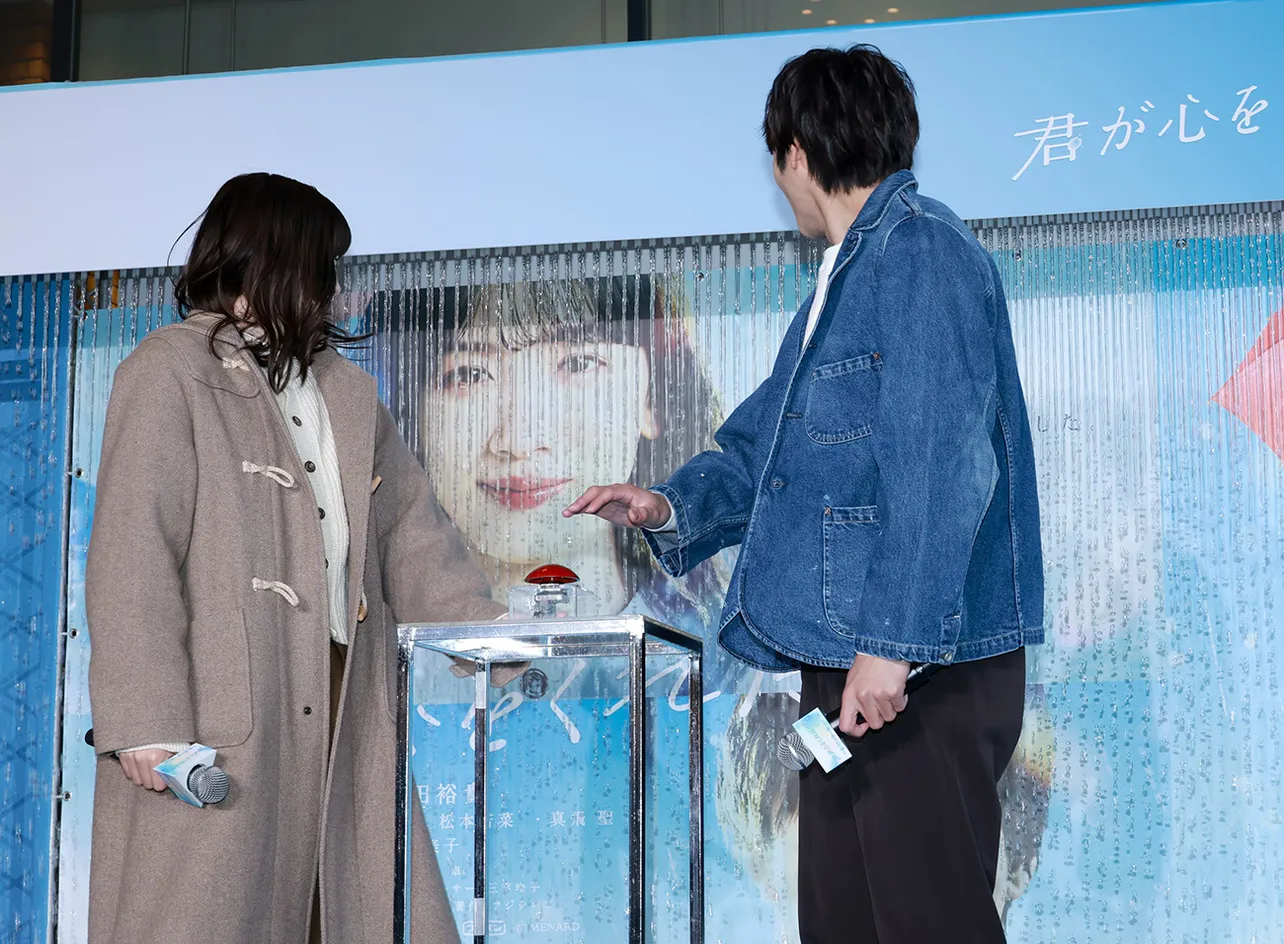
{"points": [[792, 752], [209, 784]]}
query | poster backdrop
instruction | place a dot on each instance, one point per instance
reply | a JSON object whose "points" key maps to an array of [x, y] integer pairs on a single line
{"points": [[1143, 804]]}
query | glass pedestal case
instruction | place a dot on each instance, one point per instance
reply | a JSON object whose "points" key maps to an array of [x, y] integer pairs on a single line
{"points": [[558, 766]]}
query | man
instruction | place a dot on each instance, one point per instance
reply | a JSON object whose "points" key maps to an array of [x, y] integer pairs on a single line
{"points": [[881, 487]]}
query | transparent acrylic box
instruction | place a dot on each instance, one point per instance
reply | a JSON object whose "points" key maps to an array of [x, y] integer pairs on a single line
{"points": [[590, 811]]}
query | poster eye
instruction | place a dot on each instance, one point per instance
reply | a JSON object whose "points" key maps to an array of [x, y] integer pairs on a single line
{"points": [[467, 375], [581, 363]]}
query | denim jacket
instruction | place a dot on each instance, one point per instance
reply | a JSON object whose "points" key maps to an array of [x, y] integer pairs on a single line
{"points": [[881, 482]]}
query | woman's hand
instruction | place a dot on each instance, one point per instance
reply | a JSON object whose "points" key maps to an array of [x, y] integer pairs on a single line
{"points": [[138, 765], [623, 505]]}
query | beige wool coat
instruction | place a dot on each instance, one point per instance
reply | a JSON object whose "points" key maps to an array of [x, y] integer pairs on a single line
{"points": [[190, 642]]}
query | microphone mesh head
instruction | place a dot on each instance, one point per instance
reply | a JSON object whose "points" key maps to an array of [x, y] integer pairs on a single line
{"points": [[792, 752], [209, 784]]}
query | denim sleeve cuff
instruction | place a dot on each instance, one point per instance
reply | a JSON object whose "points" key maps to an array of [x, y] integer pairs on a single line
{"points": [[669, 544], [671, 523]]}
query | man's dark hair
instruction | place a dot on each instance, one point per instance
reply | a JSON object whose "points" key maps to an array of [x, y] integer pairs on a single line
{"points": [[276, 242], [851, 111]]}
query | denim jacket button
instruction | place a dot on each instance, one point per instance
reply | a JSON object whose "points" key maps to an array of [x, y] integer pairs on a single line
{"points": [[777, 483], [948, 657], [828, 512]]}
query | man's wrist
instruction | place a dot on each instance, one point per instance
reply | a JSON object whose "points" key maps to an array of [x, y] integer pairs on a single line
{"points": [[670, 522]]}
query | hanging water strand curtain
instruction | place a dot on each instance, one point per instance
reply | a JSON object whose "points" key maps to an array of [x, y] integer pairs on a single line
{"points": [[1152, 352]]}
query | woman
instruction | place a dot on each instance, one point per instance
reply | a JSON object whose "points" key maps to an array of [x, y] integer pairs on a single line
{"points": [[535, 389], [529, 390], [260, 527]]}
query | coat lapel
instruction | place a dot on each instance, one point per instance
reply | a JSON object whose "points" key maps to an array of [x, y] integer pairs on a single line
{"points": [[352, 400]]}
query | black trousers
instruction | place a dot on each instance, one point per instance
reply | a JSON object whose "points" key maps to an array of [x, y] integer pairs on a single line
{"points": [[899, 844]]}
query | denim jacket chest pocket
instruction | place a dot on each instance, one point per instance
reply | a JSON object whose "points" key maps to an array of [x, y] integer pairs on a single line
{"points": [[842, 398]]}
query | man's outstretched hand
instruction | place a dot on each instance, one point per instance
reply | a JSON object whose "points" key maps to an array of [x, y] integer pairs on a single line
{"points": [[623, 505]]}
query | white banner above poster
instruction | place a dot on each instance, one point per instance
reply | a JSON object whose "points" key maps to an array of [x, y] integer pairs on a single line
{"points": [[1161, 105]]}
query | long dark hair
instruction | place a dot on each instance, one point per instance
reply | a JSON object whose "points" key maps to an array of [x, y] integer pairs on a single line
{"points": [[276, 242], [755, 796]]}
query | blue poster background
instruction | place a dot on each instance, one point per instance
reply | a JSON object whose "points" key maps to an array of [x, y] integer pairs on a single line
{"points": [[34, 342], [1147, 806]]}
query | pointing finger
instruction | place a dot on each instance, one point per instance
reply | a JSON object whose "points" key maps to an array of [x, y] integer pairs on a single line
{"points": [[577, 506]]}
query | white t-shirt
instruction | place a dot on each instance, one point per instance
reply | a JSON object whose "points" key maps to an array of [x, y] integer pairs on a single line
{"points": [[822, 290]]}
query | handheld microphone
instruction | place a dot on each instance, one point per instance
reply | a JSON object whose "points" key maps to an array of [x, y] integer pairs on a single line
{"points": [[204, 782], [793, 752], [192, 777]]}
